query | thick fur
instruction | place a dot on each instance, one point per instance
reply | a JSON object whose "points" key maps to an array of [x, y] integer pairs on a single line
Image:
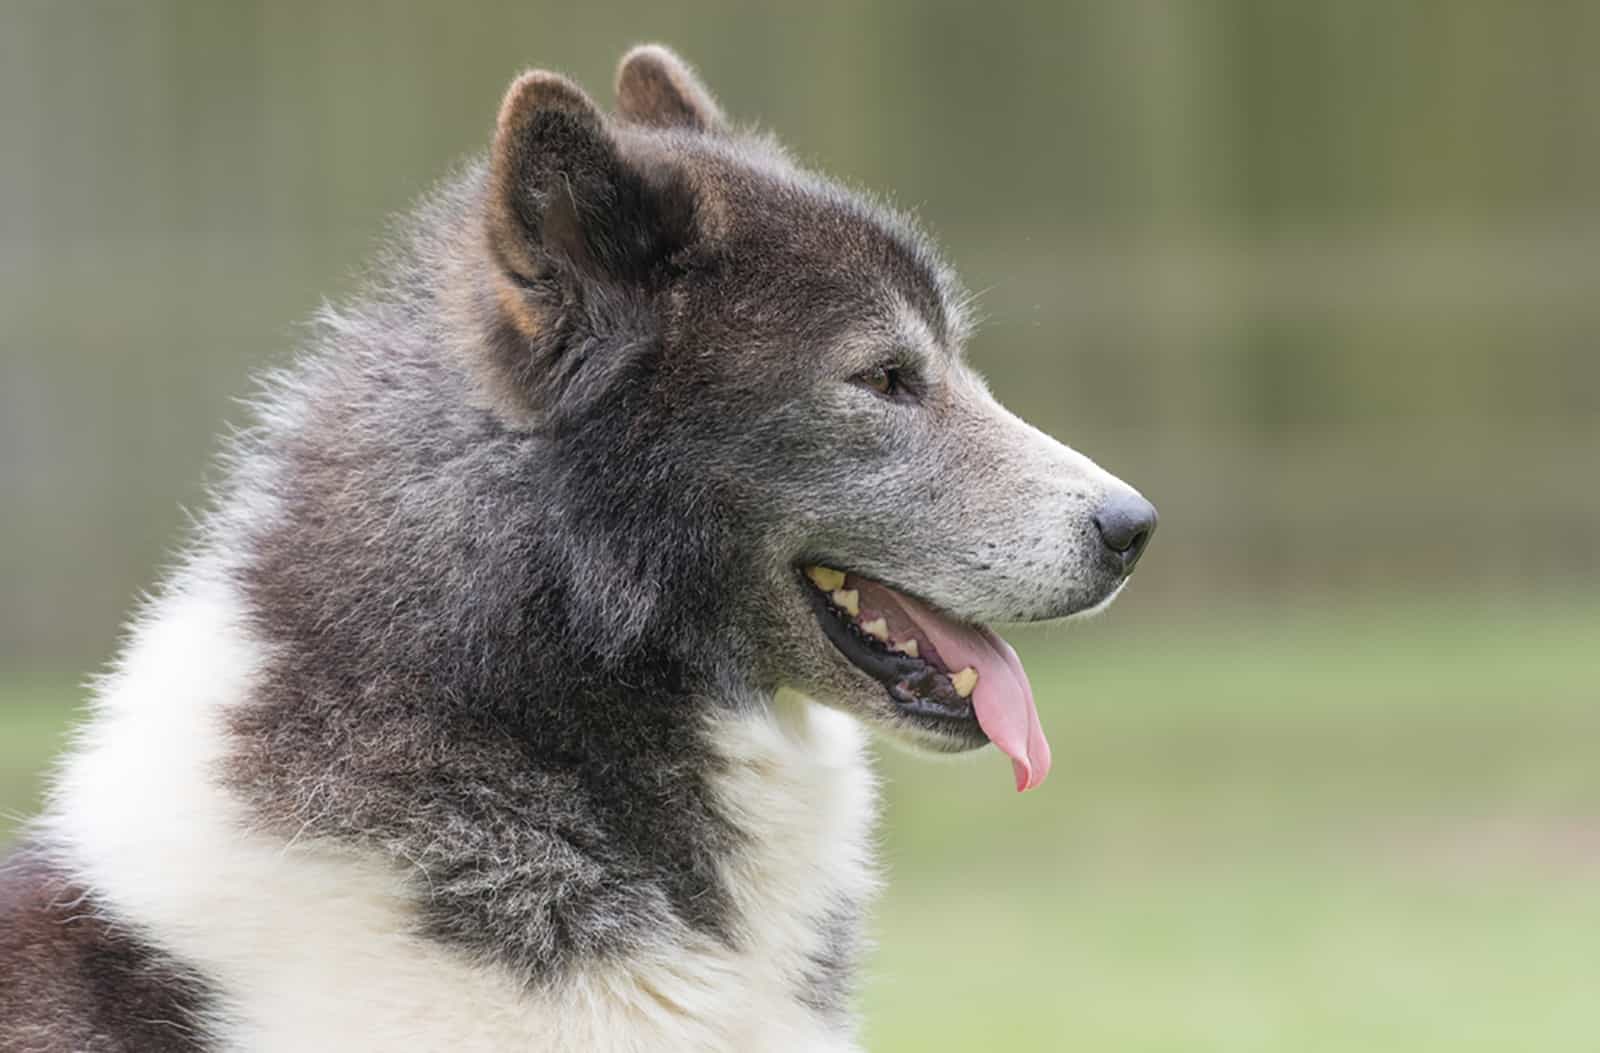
{"points": [[77, 981], [480, 715]]}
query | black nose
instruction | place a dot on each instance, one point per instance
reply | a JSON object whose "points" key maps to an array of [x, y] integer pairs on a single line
{"points": [[1126, 522]]}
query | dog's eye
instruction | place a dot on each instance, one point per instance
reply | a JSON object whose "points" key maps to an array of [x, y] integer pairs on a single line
{"points": [[885, 380]]}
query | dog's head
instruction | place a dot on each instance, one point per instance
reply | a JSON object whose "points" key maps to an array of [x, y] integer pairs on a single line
{"points": [[771, 364]]}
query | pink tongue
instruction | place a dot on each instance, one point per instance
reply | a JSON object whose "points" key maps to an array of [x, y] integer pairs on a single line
{"points": [[1003, 699]]}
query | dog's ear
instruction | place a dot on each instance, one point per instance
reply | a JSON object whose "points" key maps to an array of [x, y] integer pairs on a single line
{"points": [[562, 198], [656, 87], [581, 235]]}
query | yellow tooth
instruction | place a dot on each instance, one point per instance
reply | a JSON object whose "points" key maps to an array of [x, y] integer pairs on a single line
{"points": [[906, 647], [878, 627], [849, 599], [826, 578], [964, 681]]}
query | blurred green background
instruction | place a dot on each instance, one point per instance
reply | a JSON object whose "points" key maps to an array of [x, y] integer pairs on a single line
{"points": [[1323, 279]]}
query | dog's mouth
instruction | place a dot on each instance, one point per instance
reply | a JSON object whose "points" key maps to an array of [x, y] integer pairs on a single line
{"points": [[934, 668]]}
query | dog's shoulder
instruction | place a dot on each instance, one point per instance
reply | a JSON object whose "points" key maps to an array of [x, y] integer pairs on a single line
{"points": [[73, 980]]}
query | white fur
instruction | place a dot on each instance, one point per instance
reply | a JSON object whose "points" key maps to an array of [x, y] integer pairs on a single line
{"points": [[312, 946]]}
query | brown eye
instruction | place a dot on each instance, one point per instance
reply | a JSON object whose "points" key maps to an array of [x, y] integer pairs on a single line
{"points": [[885, 380]]}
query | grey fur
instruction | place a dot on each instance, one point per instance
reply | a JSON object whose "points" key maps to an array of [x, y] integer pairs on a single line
{"points": [[829, 986]]}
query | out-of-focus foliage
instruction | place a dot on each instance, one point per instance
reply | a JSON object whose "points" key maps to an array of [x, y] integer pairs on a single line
{"points": [[1323, 279]]}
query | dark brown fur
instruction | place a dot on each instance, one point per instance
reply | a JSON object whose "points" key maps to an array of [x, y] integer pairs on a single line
{"points": [[74, 981], [655, 88]]}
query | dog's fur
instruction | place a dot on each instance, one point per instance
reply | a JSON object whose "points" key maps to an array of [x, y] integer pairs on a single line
{"points": [[479, 716]]}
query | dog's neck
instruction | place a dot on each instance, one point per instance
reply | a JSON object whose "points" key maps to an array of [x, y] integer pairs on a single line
{"points": [[547, 867]]}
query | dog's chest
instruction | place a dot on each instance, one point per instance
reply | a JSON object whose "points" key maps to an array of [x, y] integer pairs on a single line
{"points": [[798, 785], [794, 781]]}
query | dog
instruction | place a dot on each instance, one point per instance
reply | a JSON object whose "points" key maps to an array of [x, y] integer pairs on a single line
{"points": [[513, 693]]}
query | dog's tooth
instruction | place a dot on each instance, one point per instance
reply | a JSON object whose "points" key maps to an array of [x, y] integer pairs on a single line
{"points": [[825, 578], [964, 681], [878, 627], [906, 647], [849, 599]]}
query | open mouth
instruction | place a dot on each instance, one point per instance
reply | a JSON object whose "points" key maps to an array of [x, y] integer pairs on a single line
{"points": [[934, 668]]}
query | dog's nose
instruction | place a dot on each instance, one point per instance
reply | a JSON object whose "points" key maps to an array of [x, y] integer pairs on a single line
{"points": [[1126, 522]]}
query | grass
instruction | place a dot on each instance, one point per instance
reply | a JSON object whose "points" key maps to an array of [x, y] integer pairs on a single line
{"points": [[1325, 832], [1328, 833]]}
